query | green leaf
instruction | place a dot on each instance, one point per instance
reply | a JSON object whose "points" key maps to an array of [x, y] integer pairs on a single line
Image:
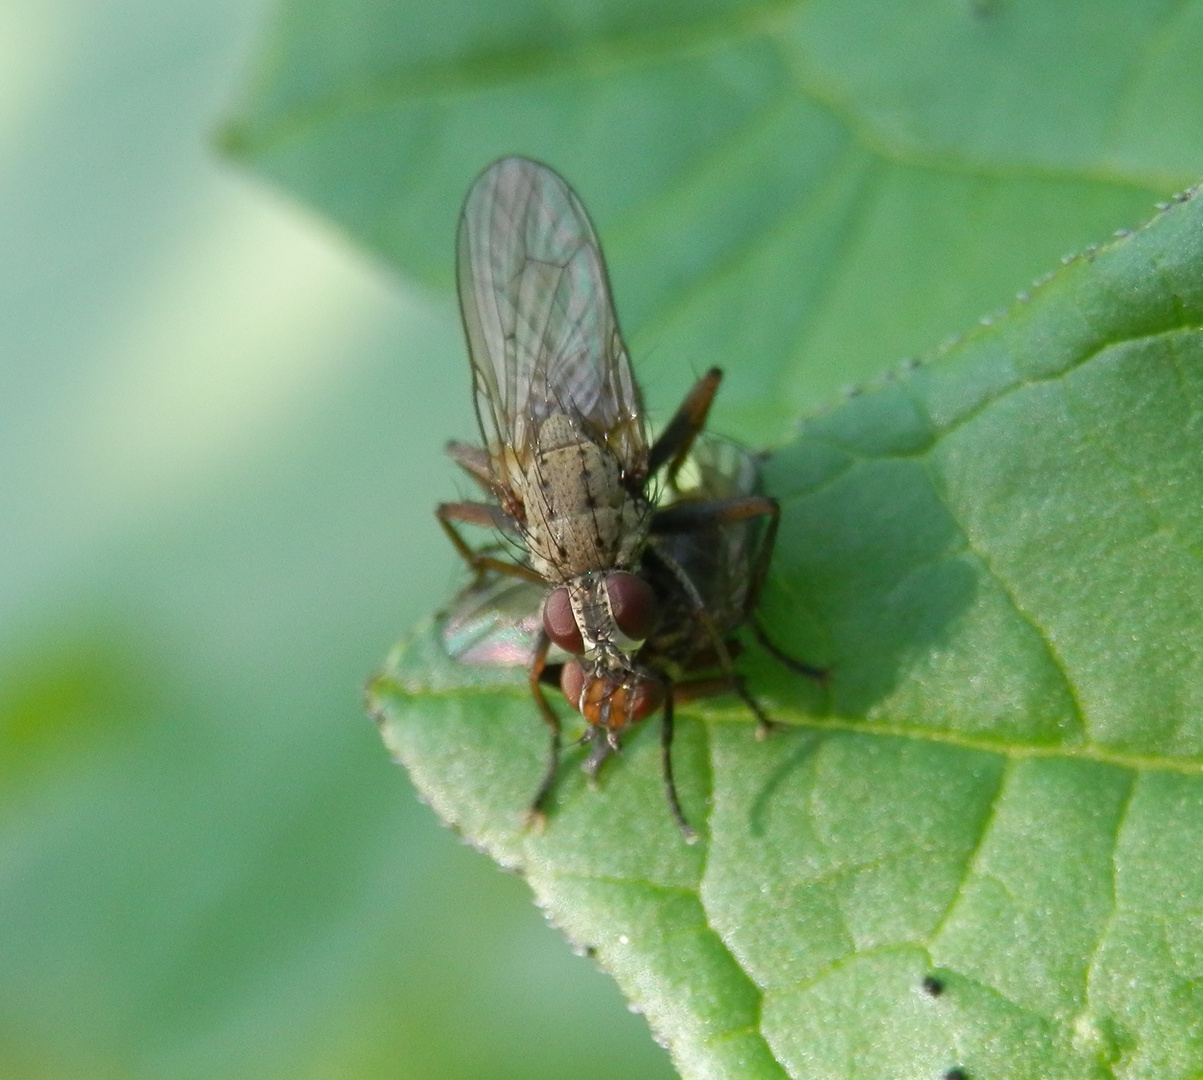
{"points": [[998, 555], [802, 192]]}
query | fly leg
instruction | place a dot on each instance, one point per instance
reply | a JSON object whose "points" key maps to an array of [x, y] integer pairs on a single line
{"points": [[676, 440], [818, 674], [489, 517], [693, 516], [759, 572], [695, 689], [666, 761], [537, 815], [474, 460], [692, 690]]}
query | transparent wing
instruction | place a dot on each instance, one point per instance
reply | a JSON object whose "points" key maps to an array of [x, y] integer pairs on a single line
{"points": [[495, 622], [542, 334], [720, 559]]}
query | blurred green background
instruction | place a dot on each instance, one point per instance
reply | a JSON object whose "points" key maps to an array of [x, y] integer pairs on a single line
{"points": [[221, 433]]}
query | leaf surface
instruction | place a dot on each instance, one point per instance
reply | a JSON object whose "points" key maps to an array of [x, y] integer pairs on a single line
{"points": [[998, 556]]}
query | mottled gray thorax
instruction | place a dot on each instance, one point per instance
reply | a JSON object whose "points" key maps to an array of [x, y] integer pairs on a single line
{"points": [[580, 517]]}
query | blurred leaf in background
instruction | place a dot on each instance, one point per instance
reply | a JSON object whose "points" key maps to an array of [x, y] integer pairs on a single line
{"points": [[221, 430], [220, 440], [806, 193]]}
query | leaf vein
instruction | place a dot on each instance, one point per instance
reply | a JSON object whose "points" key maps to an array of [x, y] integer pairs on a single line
{"points": [[1055, 659], [972, 857], [743, 253], [1109, 922]]}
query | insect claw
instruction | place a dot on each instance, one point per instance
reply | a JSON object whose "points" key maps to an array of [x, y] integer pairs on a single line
{"points": [[604, 744]]}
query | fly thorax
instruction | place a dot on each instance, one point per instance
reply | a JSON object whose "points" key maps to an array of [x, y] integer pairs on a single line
{"points": [[579, 515]]}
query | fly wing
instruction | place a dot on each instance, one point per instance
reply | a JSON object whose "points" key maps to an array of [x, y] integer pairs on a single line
{"points": [[542, 334], [495, 622], [719, 559]]}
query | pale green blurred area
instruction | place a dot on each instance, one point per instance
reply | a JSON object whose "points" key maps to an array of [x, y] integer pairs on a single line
{"points": [[220, 443]]}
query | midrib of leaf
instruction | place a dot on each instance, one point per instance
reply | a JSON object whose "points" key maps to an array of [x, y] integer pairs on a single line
{"points": [[717, 713]]}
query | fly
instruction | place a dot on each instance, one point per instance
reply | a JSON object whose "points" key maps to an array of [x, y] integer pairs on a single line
{"points": [[567, 462], [496, 620]]}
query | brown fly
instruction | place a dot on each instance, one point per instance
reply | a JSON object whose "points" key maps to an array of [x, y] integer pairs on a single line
{"points": [[496, 621], [566, 458]]}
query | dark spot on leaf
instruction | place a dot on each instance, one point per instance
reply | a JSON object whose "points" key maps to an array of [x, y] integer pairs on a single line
{"points": [[933, 986], [956, 1074]]}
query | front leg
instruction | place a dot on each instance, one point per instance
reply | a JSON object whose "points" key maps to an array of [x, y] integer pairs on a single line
{"points": [[537, 815], [676, 440]]}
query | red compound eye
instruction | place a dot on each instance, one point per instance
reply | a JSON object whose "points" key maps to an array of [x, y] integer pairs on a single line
{"points": [[560, 622], [572, 682], [608, 702], [633, 604]]}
